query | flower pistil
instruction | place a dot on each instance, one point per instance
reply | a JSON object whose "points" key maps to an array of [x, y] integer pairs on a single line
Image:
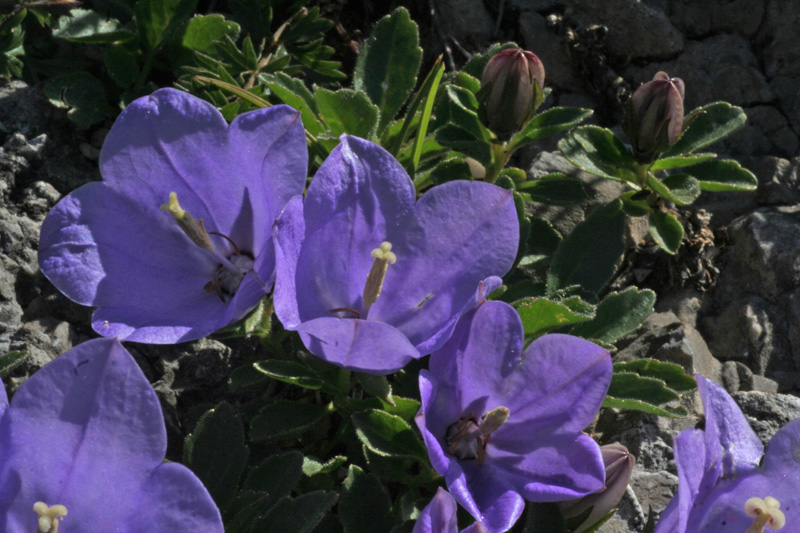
{"points": [[467, 439], [382, 256], [49, 517], [766, 512]]}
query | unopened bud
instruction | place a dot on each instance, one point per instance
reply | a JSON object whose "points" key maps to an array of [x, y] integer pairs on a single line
{"points": [[619, 466], [654, 116], [511, 90]]}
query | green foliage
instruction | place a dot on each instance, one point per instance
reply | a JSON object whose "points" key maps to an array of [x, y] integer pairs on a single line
{"points": [[285, 418], [10, 361], [646, 385], [364, 505], [217, 453], [666, 230], [388, 435], [618, 314], [588, 256], [708, 124], [598, 151], [540, 315], [553, 189]]}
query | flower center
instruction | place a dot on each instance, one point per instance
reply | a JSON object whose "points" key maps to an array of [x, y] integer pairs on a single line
{"points": [[372, 289], [49, 517], [467, 438], [231, 270], [765, 512]]}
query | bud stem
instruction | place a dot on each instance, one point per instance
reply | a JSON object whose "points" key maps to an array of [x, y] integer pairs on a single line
{"points": [[500, 156]]}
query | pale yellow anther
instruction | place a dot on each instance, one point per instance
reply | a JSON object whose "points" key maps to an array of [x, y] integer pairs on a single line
{"points": [[383, 256], [766, 512], [49, 517], [174, 207], [492, 420], [384, 253]]}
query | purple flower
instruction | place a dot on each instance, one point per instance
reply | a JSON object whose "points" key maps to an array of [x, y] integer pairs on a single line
{"points": [[502, 424], [82, 445], [439, 516], [176, 241], [369, 279], [723, 483]]}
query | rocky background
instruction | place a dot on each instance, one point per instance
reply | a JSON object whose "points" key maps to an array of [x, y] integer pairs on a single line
{"points": [[728, 303]]}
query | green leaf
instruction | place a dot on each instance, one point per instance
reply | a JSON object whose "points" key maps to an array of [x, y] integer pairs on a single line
{"points": [[346, 111], [553, 189], [257, 323], [245, 376], [631, 386], [542, 242], [682, 189], [121, 65], [723, 175], [617, 315], [217, 453], [671, 374], [461, 140], [297, 515], [155, 19], [405, 408], [294, 92], [548, 123], [364, 505], [83, 94], [541, 315], [90, 27], [387, 66], [450, 170], [312, 467], [679, 161], [377, 386], [199, 34], [388, 435], [276, 476], [290, 372], [589, 255], [713, 122], [10, 361], [428, 93], [285, 418], [634, 203], [598, 151], [463, 111], [666, 230], [638, 405]]}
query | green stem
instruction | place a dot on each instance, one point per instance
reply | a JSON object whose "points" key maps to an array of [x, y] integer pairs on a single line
{"points": [[500, 156], [642, 169]]}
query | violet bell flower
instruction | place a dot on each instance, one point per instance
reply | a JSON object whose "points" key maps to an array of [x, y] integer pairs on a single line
{"points": [[503, 425], [82, 449], [724, 485], [176, 241], [369, 279], [439, 516]]}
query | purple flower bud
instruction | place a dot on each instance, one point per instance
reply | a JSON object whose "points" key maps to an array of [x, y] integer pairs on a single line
{"points": [[654, 116], [619, 466], [511, 90]]}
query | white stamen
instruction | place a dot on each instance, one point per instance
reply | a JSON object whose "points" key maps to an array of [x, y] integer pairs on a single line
{"points": [[383, 256], [49, 517], [766, 513]]}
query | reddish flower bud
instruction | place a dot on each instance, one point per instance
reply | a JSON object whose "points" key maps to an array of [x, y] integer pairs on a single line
{"points": [[654, 116], [619, 466], [511, 90]]}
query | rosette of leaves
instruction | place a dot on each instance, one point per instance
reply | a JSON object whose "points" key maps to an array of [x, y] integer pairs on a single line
{"points": [[675, 177]]}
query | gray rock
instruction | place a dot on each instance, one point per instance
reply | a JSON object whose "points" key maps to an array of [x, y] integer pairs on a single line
{"points": [[664, 337], [541, 40], [778, 180], [702, 18], [768, 412], [780, 55], [537, 5], [466, 21], [767, 132], [635, 30], [722, 67]]}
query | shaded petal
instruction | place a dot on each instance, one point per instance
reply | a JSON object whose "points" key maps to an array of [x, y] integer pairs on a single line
{"points": [[359, 197], [687, 449], [668, 521], [172, 499], [82, 432], [361, 345], [463, 233], [439, 516], [783, 451], [289, 233], [437, 411], [499, 505], [547, 468], [727, 433], [3, 398]]}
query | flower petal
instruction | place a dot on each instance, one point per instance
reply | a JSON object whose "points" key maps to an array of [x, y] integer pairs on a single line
{"points": [[727, 433], [464, 232], [361, 345], [172, 499], [439, 516], [360, 197], [547, 468], [687, 448], [436, 412], [289, 234], [499, 505], [82, 432]]}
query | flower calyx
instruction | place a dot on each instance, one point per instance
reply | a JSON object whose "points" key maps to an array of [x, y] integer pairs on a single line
{"points": [[49, 517], [467, 438], [766, 512]]}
